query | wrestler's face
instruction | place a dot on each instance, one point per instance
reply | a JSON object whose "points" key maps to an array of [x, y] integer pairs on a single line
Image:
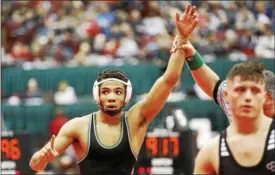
{"points": [[112, 95], [269, 106], [246, 97]]}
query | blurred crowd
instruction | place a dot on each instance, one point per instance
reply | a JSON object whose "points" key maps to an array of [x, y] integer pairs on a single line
{"points": [[34, 95], [44, 34]]}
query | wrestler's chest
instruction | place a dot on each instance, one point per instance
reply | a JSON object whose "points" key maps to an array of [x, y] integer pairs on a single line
{"points": [[248, 151], [108, 135]]}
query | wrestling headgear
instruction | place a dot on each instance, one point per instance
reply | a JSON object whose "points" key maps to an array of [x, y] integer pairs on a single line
{"points": [[270, 82], [128, 89]]}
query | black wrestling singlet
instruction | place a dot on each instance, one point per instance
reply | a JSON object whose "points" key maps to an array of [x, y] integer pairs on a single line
{"points": [[100, 159], [229, 166]]}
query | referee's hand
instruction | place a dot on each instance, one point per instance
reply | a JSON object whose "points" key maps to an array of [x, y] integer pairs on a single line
{"points": [[188, 22], [185, 26]]}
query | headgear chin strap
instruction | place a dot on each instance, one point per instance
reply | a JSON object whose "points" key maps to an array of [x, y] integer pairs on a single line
{"points": [[128, 89]]}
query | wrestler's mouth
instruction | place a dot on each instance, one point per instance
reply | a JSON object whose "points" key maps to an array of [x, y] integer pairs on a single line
{"points": [[111, 107], [247, 107]]}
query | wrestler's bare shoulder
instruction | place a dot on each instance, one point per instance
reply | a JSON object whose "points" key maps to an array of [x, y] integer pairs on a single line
{"points": [[78, 123], [208, 156], [212, 145]]}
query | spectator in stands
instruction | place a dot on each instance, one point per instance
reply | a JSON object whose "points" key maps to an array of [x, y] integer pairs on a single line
{"points": [[247, 42], [265, 47], [99, 42], [33, 89], [81, 57], [154, 24], [68, 47], [231, 10], [110, 48], [105, 18], [88, 28], [218, 18], [135, 20], [261, 16], [128, 46], [21, 52], [244, 19], [65, 94]]}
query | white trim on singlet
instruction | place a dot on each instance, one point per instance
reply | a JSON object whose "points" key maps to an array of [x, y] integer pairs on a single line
{"points": [[271, 141], [89, 137], [129, 136], [98, 141]]}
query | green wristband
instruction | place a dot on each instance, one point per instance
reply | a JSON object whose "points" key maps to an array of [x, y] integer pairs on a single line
{"points": [[195, 61]]}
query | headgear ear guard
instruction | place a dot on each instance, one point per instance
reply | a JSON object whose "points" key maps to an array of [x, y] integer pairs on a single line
{"points": [[270, 82], [128, 89]]}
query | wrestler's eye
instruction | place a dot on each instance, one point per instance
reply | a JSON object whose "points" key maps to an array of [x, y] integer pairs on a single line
{"points": [[105, 92], [240, 90], [255, 90], [118, 92]]}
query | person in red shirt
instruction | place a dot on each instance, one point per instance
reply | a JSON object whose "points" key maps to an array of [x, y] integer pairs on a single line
{"points": [[59, 120]]}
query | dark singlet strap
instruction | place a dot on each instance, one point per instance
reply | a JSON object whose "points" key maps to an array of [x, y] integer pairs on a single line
{"points": [[223, 151], [269, 144]]}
